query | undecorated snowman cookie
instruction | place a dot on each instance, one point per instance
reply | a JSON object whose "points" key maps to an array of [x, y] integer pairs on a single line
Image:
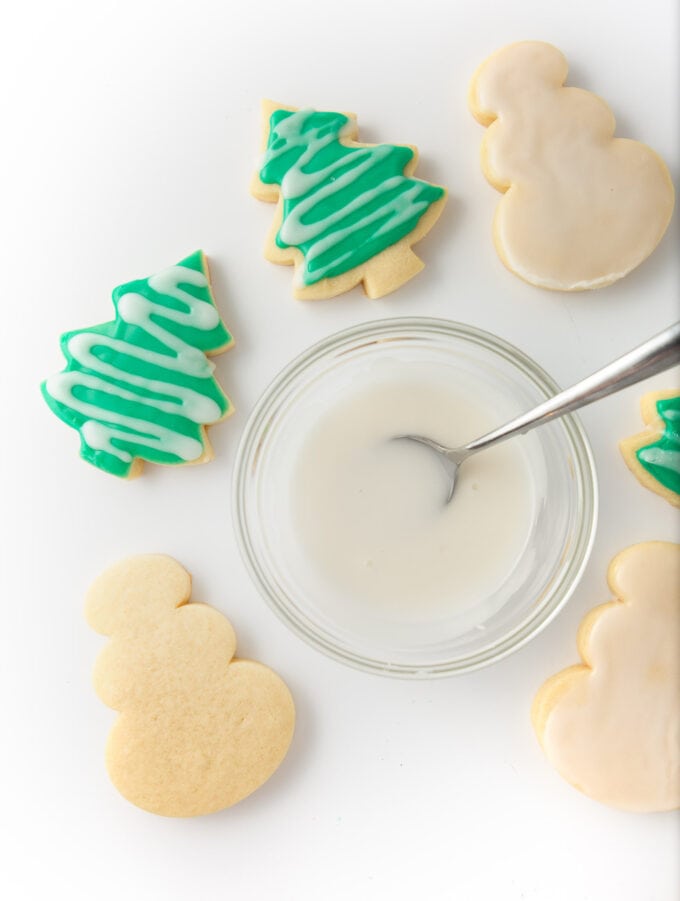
{"points": [[198, 729], [581, 208], [347, 213], [654, 455], [611, 725]]}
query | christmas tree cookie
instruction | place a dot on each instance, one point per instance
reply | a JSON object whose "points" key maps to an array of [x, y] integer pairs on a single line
{"points": [[610, 725], [141, 387], [581, 208], [198, 729], [348, 213], [654, 455]]}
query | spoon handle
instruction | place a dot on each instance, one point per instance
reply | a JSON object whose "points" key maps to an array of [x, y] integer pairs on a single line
{"points": [[655, 355]]}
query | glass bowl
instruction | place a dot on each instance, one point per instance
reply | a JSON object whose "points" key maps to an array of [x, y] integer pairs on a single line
{"points": [[544, 575]]}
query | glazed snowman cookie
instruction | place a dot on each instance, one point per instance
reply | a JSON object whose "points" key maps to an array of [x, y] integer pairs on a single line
{"points": [[581, 208], [347, 213], [198, 729], [654, 455], [611, 725], [141, 387]]}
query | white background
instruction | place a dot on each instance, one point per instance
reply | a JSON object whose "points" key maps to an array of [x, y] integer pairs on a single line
{"points": [[129, 133]]}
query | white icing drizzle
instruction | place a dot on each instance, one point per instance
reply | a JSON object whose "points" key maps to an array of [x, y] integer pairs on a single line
{"points": [[304, 187], [104, 423], [660, 456]]}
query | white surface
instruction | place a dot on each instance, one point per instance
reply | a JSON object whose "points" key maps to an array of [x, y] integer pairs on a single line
{"points": [[130, 130]]}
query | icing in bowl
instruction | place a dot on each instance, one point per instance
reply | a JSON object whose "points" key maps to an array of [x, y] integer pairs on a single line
{"points": [[408, 613]]}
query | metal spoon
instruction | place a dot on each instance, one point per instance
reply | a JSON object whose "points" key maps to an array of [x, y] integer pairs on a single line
{"points": [[655, 355]]}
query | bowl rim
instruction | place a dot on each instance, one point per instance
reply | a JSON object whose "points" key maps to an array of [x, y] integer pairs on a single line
{"points": [[584, 464]]}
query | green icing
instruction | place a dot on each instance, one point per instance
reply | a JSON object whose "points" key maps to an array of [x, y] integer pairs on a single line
{"points": [[341, 205], [141, 386], [661, 458]]}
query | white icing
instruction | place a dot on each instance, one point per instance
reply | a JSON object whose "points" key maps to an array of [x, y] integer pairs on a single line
{"points": [[368, 512], [659, 456], [100, 437], [612, 728], [580, 207], [145, 431]]}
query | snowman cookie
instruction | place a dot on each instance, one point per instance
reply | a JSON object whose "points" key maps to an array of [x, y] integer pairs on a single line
{"points": [[611, 724], [198, 728], [580, 208]]}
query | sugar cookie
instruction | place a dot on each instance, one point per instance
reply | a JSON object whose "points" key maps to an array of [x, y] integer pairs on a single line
{"points": [[348, 213], [142, 387], [580, 208], [198, 730], [611, 725], [654, 455]]}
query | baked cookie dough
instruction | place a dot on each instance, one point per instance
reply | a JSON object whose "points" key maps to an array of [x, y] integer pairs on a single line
{"points": [[141, 387], [198, 729], [611, 725], [347, 213], [581, 208], [654, 455]]}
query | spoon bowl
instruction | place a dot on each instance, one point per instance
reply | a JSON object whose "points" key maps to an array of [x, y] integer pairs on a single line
{"points": [[450, 458]]}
